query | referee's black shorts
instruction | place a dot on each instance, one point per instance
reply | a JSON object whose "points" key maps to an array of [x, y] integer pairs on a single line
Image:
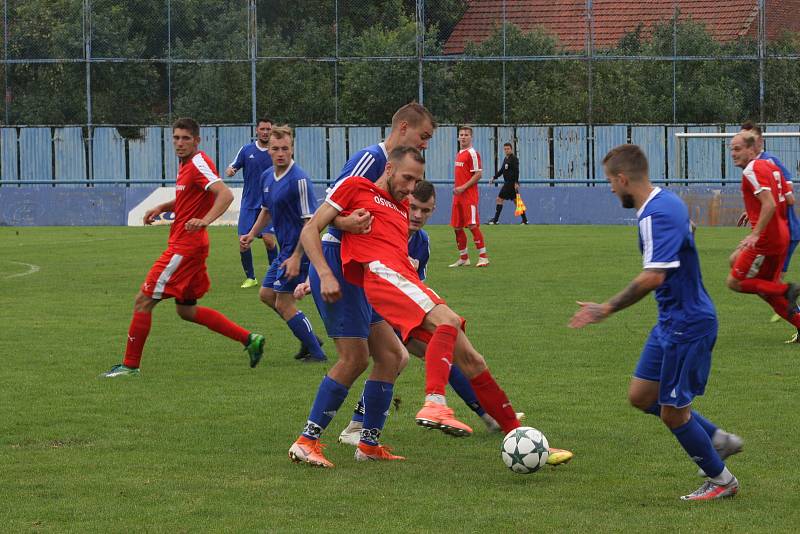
{"points": [[507, 192]]}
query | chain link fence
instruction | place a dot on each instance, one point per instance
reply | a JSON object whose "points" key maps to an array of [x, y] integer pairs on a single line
{"points": [[146, 62]]}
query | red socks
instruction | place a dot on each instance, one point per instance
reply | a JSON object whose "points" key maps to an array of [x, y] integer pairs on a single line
{"points": [[461, 243], [439, 359], [494, 401], [477, 236], [137, 335], [214, 320], [763, 287]]}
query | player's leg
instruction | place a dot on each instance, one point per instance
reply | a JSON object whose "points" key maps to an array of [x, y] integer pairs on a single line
{"points": [[792, 246], [498, 208], [458, 221], [474, 225], [756, 273], [247, 217], [298, 323], [138, 331], [270, 244]]}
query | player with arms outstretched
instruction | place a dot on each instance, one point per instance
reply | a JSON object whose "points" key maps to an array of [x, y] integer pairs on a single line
{"points": [[674, 365], [180, 273]]}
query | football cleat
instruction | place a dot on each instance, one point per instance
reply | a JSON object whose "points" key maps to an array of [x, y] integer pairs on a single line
{"points": [[120, 370], [460, 263], [309, 451], [311, 359], [792, 294], [440, 417], [482, 262], [733, 444], [255, 348], [303, 352], [365, 453], [492, 221], [493, 426], [558, 456], [775, 318], [793, 339], [351, 435], [249, 282], [710, 491]]}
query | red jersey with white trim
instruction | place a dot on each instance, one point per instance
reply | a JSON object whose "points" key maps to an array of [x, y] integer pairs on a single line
{"points": [[468, 162], [387, 239], [192, 201], [763, 175]]}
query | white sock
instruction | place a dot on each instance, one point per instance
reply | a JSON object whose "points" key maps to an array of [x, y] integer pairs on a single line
{"points": [[438, 399], [724, 478]]}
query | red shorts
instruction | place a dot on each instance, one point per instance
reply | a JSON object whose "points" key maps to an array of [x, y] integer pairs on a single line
{"points": [[183, 277], [464, 213], [399, 296], [751, 264]]}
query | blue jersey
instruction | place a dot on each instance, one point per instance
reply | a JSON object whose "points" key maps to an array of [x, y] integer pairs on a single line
{"points": [[419, 250], [794, 222], [254, 160], [685, 311], [290, 201], [368, 162]]}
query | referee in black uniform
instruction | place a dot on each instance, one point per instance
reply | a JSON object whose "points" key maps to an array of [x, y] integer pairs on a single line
{"points": [[510, 172]]}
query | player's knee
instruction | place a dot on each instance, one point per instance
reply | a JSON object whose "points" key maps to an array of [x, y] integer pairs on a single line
{"points": [[186, 313], [640, 402], [267, 297], [287, 310], [733, 283], [143, 303], [675, 417]]}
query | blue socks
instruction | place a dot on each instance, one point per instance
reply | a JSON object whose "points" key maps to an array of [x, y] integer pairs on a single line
{"points": [[461, 385], [697, 444], [301, 328], [358, 414], [709, 427], [247, 263], [377, 399], [329, 399]]}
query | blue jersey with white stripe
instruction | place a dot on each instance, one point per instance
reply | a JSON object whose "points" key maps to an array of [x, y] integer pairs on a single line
{"points": [[254, 160], [290, 201], [685, 310], [419, 250], [794, 222], [368, 162]]}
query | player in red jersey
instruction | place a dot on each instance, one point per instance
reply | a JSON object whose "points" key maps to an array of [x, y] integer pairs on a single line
{"points": [[465, 200], [200, 198], [757, 261], [378, 261]]}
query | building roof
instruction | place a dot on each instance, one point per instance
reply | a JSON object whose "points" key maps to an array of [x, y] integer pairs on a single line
{"points": [[612, 19]]}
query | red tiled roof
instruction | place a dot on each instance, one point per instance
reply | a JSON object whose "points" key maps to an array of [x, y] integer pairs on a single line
{"points": [[566, 19]]}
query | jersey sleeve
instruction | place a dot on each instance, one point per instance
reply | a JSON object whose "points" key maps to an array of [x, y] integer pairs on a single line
{"points": [[306, 198], [362, 163], [474, 161], [206, 173], [661, 239], [342, 194], [238, 161], [513, 168], [757, 179]]}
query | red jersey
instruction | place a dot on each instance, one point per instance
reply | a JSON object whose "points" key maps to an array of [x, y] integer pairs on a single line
{"points": [[761, 175], [468, 162], [192, 201], [387, 239]]}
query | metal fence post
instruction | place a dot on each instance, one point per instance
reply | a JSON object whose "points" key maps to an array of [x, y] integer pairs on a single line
{"points": [[420, 50], [762, 48], [252, 37], [87, 52], [169, 61]]}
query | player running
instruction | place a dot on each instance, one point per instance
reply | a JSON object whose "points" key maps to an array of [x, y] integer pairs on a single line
{"points": [[288, 201], [674, 365], [756, 263], [356, 329], [200, 198], [254, 158], [378, 262], [465, 200]]}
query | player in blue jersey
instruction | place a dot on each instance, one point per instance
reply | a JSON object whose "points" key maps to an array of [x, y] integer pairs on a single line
{"points": [[791, 216], [288, 201], [254, 158], [674, 365], [356, 329]]}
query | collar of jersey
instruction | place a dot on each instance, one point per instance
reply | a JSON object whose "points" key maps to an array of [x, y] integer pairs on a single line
{"points": [[653, 193], [382, 144]]}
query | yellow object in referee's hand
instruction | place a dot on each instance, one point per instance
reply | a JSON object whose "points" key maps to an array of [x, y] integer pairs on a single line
{"points": [[520, 209]]}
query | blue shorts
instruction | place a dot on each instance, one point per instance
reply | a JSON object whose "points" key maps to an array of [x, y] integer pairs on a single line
{"points": [[681, 369], [274, 279], [247, 218], [351, 315]]}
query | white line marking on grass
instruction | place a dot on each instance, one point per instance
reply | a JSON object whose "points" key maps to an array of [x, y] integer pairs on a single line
{"points": [[31, 269]]}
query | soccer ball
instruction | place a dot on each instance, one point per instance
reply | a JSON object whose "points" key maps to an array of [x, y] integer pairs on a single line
{"points": [[524, 450]]}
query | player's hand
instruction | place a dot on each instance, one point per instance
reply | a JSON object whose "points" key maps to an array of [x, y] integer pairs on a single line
{"points": [[193, 225], [291, 267], [589, 313], [302, 290], [458, 190], [358, 222], [516, 187], [743, 220], [414, 262], [150, 216], [749, 241], [244, 242], [230, 171], [329, 288]]}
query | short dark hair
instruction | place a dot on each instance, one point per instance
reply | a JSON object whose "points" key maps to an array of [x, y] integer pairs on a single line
{"points": [[755, 128], [414, 114], [398, 153], [185, 123], [509, 145], [424, 190], [265, 119], [628, 159]]}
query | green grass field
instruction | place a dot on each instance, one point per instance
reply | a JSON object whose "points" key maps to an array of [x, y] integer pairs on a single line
{"points": [[198, 442]]}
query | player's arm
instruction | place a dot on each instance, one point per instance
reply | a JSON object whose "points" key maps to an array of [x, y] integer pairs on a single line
{"points": [[469, 183], [312, 244], [222, 199], [151, 214], [291, 265], [261, 221], [641, 286], [236, 164], [764, 216]]}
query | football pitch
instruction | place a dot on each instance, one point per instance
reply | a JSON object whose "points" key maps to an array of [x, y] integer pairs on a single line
{"points": [[199, 441]]}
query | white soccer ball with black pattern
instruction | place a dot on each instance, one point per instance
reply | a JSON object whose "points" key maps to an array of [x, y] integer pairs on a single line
{"points": [[525, 450]]}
